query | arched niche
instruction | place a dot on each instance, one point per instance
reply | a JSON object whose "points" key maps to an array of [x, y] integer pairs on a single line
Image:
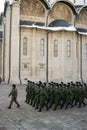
{"points": [[61, 11], [83, 16], [32, 8]]}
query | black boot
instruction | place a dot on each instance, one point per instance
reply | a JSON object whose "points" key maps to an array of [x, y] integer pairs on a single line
{"points": [[66, 107], [9, 107], [47, 109], [79, 106], [71, 106], [27, 102], [18, 106], [84, 104], [36, 107], [39, 110], [61, 107], [50, 106], [30, 103], [54, 108]]}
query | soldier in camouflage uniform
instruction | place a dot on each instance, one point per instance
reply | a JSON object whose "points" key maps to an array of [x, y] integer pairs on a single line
{"points": [[43, 97], [32, 93], [37, 97], [57, 97], [13, 95], [81, 96], [28, 92], [52, 95]]}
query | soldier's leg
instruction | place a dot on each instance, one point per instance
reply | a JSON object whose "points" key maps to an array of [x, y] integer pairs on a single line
{"points": [[26, 98], [37, 103], [51, 102], [46, 105], [36, 106], [79, 105], [81, 101], [55, 104], [84, 104], [32, 99], [17, 103], [63, 103], [41, 106], [11, 102], [67, 104], [48, 100], [73, 100], [71, 104], [76, 101], [34, 102]]}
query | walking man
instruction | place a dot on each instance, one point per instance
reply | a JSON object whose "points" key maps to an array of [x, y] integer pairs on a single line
{"points": [[13, 95]]}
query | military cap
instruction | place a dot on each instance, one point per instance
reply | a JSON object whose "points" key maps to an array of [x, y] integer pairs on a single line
{"points": [[44, 83], [40, 82], [28, 80], [71, 82], [49, 83], [13, 85]]}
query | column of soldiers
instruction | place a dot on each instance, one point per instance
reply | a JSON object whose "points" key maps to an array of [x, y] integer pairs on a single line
{"points": [[55, 95]]}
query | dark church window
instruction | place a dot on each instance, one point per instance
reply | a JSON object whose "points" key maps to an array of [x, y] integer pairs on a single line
{"points": [[68, 48], [42, 47], [55, 48], [85, 50], [25, 46]]}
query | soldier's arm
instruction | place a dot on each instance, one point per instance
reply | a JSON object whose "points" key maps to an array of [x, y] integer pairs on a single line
{"points": [[10, 94]]}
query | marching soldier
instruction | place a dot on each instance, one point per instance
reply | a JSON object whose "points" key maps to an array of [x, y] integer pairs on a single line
{"points": [[55, 94], [27, 91], [13, 95], [43, 98]]}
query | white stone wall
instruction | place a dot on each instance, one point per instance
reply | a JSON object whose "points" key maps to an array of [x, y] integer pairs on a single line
{"points": [[12, 44], [1, 39], [84, 60], [61, 68], [14, 57], [33, 66], [33, 59], [6, 45]]}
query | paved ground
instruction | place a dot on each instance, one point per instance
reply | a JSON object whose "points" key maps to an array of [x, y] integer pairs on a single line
{"points": [[27, 118]]}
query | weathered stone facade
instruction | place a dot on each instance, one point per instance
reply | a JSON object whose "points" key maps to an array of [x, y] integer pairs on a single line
{"points": [[62, 56], [1, 39]]}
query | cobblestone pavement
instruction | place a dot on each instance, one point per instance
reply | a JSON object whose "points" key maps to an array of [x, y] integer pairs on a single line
{"points": [[27, 118]]}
